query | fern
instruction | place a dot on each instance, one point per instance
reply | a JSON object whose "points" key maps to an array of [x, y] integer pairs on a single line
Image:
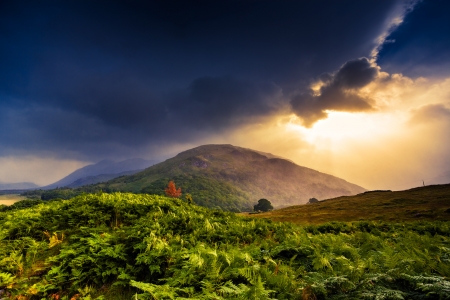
{"points": [[166, 249], [153, 291], [432, 285], [382, 293], [6, 279]]}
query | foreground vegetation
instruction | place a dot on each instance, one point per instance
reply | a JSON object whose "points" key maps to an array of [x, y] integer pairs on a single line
{"points": [[127, 246]]}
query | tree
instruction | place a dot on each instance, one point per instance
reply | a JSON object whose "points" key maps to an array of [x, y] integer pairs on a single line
{"points": [[263, 205], [312, 200], [172, 191]]}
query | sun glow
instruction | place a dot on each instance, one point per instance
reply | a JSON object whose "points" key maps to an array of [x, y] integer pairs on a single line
{"points": [[341, 128]]}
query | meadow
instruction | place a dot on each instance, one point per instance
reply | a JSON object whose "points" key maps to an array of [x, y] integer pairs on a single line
{"points": [[129, 246]]}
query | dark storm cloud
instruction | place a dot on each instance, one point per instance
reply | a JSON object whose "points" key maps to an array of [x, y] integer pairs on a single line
{"points": [[92, 74], [338, 92], [224, 102], [354, 74], [124, 112]]}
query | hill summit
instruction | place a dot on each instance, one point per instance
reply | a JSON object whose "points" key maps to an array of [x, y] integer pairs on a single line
{"points": [[234, 178]]}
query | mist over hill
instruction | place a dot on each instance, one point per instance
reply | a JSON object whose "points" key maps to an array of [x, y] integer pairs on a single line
{"points": [[234, 178]]}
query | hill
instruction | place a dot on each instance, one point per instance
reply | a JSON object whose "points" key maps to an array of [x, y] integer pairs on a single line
{"points": [[422, 203], [234, 178], [128, 246], [18, 186], [101, 171]]}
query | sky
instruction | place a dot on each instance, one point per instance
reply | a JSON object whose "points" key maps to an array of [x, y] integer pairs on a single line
{"points": [[356, 89]]}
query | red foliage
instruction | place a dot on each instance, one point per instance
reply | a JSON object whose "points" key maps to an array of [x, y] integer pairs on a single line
{"points": [[172, 191]]}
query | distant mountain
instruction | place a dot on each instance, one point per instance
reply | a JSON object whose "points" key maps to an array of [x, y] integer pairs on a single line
{"points": [[235, 178], [99, 178], [101, 171], [18, 186]]}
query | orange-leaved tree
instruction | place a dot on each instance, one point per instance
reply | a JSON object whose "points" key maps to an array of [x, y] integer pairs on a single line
{"points": [[172, 191]]}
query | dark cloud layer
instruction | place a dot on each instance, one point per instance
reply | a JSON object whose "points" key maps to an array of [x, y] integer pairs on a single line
{"points": [[94, 117], [338, 92], [216, 103], [91, 77]]}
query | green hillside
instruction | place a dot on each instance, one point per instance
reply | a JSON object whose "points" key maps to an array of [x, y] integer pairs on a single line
{"points": [[422, 203], [228, 177], [127, 246]]}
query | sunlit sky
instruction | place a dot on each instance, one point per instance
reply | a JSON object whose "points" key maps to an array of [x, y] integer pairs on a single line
{"points": [[356, 89]]}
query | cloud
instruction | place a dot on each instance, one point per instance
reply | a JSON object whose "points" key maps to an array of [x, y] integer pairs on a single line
{"points": [[360, 85], [57, 133], [338, 92], [394, 20], [429, 114], [136, 79], [94, 80], [120, 115], [406, 140], [355, 74], [219, 103]]}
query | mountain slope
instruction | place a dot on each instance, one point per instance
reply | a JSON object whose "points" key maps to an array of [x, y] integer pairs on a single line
{"points": [[234, 178], [422, 203], [108, 168]]}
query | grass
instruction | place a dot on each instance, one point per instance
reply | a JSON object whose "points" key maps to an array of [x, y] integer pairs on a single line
{"points": [[10, 199], [423, 203]]}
